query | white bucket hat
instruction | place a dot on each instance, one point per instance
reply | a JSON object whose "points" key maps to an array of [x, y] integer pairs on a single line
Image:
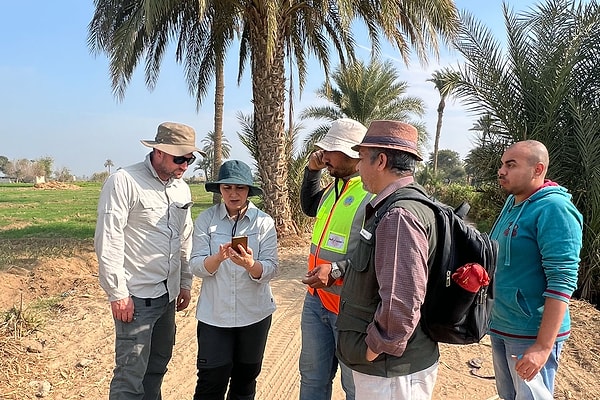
{"points": [[343, 134]]}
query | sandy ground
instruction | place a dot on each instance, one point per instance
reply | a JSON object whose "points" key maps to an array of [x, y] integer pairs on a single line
{"points": [[73, 351]]}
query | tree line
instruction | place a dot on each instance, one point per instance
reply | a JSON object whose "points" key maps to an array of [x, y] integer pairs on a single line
{"points": [[24, 170]]}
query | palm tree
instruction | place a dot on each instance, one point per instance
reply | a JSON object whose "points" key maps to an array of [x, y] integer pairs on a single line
{"points": [[444, 81], [488, 127], [545, 87], [248, 135], [365, 93], [296, 164], [129, 31], [490, 142], [108, 164], [207, 164], [222, 37]]}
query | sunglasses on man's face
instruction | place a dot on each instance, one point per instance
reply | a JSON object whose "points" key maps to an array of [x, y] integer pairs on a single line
{"points": [[183, 159]]}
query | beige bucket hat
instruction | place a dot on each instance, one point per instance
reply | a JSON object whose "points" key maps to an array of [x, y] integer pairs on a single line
{"points": [[174, 139]]}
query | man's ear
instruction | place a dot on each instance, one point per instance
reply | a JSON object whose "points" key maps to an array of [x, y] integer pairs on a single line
{"points": [[159, 154], [540, 169], [381, 161]]}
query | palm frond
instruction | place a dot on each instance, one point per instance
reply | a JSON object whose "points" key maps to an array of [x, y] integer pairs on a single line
{"points": [[366, 92], [545, 87]]}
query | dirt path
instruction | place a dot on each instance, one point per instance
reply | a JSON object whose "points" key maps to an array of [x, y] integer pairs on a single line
{"points": [[279, 378], [74, 351]]}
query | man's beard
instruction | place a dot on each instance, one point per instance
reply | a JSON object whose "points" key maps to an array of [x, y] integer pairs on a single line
{"points": [[339, 173]]}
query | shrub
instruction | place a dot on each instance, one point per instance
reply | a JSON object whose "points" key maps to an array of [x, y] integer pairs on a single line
{"points": [[485, 202]]}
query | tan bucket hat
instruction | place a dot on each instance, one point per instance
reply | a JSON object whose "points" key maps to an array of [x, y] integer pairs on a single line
{"points": [[174, 139]]}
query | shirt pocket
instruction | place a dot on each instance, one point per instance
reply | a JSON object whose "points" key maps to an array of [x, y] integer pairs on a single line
{"points": [[365, 250], [152, 211], [253, 243], [178, 213]]}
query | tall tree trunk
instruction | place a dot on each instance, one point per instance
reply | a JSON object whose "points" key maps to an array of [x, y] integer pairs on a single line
{"points": [[438, 133], [268, 89], [218, 128], [291, 107]]}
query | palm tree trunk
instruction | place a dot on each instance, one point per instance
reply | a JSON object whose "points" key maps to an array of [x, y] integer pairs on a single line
{"points": [[218, 128], [268, 89], [438, 133]]}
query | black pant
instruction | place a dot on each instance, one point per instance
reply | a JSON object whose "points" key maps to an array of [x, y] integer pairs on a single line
{"points": [[230, 353]]}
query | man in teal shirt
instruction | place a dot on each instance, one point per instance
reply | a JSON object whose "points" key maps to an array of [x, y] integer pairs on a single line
{"points": [[539, 232]]}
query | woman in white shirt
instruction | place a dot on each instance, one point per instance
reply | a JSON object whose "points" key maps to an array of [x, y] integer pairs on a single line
{"points": [[235, 303]]}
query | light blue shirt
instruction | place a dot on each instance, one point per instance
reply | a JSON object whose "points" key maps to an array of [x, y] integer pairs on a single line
{"points": [[231, 297]]}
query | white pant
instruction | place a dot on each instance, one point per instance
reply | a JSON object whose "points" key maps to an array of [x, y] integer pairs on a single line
{"points": [[417, 386]]}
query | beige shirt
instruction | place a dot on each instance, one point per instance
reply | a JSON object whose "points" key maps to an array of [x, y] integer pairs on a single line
{"points": [[143, 234]]}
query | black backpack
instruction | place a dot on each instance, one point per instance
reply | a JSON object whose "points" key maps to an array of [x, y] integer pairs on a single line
{"points": [[451, 314]]}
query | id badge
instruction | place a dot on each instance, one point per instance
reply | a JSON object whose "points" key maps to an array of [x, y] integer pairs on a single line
{"points": [[335, 241]]}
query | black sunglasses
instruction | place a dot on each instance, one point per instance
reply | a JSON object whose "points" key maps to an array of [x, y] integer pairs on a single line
{"points": [[182, 159]]}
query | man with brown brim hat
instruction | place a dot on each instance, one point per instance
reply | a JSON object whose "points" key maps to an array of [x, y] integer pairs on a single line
{"points": [[339, 211], [143, 242], [173, 146], [380, 337]]}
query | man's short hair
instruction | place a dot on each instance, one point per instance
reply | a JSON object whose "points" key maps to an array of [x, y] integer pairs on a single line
{"points": [[398, 161]]}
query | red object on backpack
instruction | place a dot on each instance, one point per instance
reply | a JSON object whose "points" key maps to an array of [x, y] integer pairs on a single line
{"points": [[471, 277]]}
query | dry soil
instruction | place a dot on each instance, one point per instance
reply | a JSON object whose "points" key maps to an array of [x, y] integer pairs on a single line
{"points": [[73, 350]]}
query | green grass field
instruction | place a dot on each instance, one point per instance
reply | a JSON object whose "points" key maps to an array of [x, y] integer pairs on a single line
{"points": [[38, 223]]}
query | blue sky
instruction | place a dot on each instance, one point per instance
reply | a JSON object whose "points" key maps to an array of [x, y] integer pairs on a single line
{"points": [[56, 99]]}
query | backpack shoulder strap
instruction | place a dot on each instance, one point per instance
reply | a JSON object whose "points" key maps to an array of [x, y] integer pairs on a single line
{"points": [[413, 192]]}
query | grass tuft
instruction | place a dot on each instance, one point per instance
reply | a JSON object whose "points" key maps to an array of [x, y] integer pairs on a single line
{"points": [[18, 322]]}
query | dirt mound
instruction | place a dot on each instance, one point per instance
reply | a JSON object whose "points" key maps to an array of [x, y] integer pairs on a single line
{"points": [[55, 185], [71, 353]]}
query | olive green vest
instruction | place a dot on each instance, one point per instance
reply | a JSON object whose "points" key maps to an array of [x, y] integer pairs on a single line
{"points": [[360, 299]]}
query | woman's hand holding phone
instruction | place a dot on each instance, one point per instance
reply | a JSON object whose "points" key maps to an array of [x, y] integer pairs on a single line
{"points": [[236, 241], [241, 254]]}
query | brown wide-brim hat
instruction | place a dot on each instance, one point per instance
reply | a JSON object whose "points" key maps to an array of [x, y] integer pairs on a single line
{"points": [[391, 135], [174, 139]]}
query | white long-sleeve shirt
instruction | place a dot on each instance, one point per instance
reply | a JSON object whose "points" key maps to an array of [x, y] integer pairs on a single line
{"points": [[143, 234], [231, 297]]}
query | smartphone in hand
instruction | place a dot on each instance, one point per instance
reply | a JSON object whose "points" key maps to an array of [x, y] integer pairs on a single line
{"points": [[236, 240]]}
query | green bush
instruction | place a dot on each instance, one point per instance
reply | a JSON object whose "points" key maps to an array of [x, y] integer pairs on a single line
{"points": [[485, 202]]}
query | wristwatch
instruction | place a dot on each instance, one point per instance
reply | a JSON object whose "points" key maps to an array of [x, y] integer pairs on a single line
{"points": [[336, 272]]}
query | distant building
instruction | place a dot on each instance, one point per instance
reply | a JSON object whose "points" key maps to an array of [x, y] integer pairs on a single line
{"points": [[5, 179]]}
